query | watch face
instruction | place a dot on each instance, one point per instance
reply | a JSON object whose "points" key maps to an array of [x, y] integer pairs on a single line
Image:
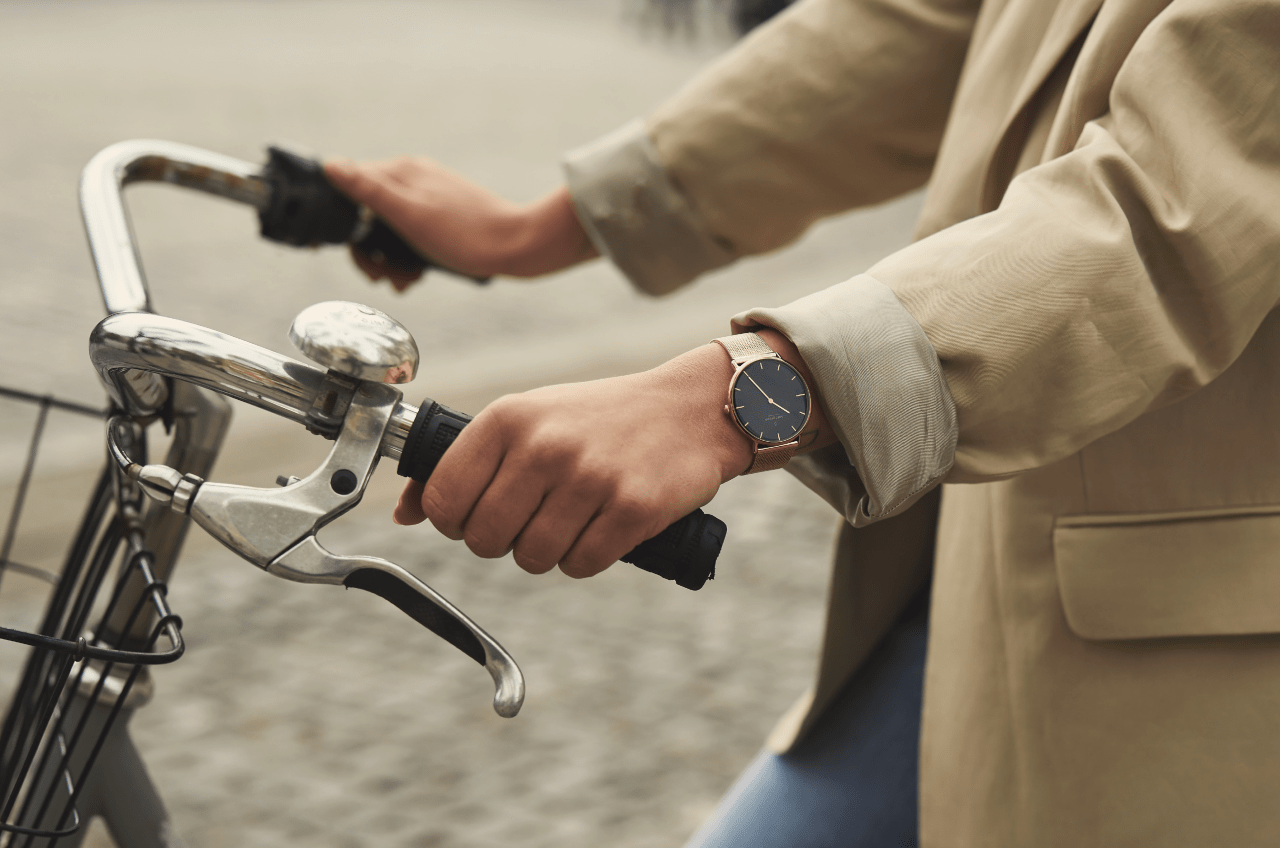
{"points": [[770, 400]]}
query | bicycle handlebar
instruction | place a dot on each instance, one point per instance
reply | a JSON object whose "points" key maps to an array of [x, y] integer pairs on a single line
{"points": [[295, 204], [213, 360], [111, 240], [131, 347]]}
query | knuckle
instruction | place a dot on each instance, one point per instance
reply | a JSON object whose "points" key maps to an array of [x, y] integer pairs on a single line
{"points": [[401, 168], [580, 566], [636, 510], [532, 563], [583, 479], [436, 509], [503, 415], [540, 447], [365, 183], [595, 482], [484, 543], [534, 551]]}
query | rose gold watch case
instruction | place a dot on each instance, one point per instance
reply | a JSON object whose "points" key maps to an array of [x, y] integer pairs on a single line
{"points": [[733, 416]]}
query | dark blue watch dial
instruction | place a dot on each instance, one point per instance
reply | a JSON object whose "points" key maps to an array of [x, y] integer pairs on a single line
{"points": [[770, 400]]}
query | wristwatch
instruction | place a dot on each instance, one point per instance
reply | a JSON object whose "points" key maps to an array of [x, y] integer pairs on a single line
{"points": [[768, 400]]}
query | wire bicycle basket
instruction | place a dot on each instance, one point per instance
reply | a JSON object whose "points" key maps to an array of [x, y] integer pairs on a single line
{"points": [[89, 651]]}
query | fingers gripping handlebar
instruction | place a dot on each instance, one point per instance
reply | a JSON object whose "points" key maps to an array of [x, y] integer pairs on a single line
{"points": [[685, 552], [304, 209]]}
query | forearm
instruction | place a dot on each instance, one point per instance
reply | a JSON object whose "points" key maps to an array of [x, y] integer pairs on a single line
{"points": [[545, 237], [1128, 272], [834, 104]]}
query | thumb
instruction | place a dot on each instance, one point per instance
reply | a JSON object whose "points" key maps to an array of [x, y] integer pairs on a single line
{"points": [[409, 508], [342, 172]]}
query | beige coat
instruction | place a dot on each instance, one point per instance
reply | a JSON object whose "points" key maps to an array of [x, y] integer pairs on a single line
{"points": [[1098, 264]]}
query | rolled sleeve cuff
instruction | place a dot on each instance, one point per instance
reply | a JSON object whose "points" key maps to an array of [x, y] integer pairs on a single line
{"points": [[882, 388], [636, 216]]}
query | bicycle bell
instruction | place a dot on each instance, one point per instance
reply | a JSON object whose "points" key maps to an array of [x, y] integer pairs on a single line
{"points": [[356, 341]]}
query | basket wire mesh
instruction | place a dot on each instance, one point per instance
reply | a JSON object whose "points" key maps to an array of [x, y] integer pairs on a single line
{"points": [[76, 684]]}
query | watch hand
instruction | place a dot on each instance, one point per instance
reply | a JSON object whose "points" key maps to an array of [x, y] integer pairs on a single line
{"points": [[757, 385], [765, 393]]}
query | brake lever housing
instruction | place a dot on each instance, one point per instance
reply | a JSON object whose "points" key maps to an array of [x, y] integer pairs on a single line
{"points": [[261, 524]]}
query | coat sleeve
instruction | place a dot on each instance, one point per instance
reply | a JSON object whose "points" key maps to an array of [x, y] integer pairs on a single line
{"points": [[1112, 280], [833, 105]]}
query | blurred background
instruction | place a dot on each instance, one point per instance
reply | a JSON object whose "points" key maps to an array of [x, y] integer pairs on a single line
{"points": [[316, 716]]}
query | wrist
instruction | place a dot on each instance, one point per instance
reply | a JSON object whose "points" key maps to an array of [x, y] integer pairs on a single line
{"points": [[701, 378], [817, 432], [545, 237]]}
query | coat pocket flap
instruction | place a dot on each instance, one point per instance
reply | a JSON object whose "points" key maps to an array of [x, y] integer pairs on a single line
{"points": [[1170, 575]]}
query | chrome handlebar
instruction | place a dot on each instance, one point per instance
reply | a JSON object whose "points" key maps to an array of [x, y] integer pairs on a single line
{"points": [[130, 354], [132, 351], [111, 240]]}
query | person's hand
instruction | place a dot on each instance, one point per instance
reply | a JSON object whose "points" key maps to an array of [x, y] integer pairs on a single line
{"points": [[577, 475], [460, 225]]}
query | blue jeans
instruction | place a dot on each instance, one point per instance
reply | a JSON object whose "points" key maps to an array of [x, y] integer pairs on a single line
{"points": [[853, 780]]}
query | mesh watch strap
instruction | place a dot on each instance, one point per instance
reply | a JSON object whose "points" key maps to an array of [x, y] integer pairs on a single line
{"points": [[773, 457], [745, 345]]}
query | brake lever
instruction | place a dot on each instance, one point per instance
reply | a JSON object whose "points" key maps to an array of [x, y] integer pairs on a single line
{"points": [[310, 562], [275, 529]]}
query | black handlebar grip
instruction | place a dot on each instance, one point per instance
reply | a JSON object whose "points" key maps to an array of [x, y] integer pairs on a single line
{"points": [[383, 246], [685, 552], [304, 209]]}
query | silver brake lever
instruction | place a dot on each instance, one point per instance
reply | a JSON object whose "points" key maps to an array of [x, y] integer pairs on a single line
{"points": [[276, 529], [309, 561]]}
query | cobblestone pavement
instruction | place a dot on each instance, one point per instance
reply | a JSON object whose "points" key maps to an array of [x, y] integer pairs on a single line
{"points": [[317, 716]]}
